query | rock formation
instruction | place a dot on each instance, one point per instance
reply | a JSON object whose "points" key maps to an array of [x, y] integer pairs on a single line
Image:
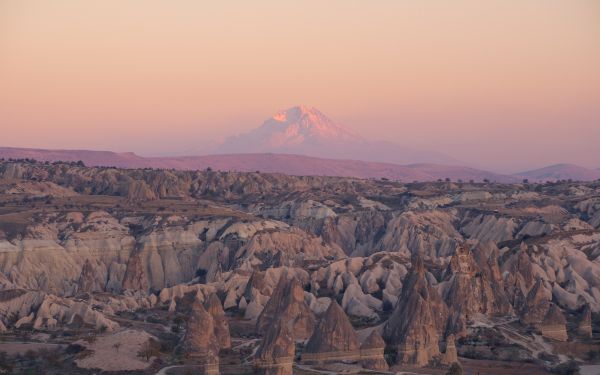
{"points": [[536, 304], [450, 355], [288, 305], [372, 352], [135, 275], [200, 343], [214, 308], [275, 355], [87, 280], [554, 324], [334, 338], [417, 322], [584, 328], [473, 287]]}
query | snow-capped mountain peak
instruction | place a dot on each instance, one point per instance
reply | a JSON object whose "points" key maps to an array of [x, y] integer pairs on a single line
{"points": [[304, 124], [304, 130]]}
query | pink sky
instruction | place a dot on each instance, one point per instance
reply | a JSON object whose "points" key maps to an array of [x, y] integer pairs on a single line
{"points": [[508, 84]]}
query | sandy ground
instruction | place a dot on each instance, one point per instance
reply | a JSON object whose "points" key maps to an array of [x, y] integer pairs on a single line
{"points": [[107, 357]]}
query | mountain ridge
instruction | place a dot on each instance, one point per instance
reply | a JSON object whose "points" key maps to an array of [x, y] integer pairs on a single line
{"points": [[265, 162], [561, 171]]}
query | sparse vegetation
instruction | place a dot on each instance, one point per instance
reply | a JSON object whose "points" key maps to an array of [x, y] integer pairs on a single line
{"points": [[149, 349]]}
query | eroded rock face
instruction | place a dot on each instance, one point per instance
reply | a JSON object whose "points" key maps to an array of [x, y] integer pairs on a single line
{"points": [[288, 305], [450, 355], [554, 324], [214, 308], [275, 355], [473, 287], [46, 311], [135, 275], [584, 327], [88, 280], [372, 353], [416, 324], [536, 305], [200, 343], [334, 338], [345, 240]]}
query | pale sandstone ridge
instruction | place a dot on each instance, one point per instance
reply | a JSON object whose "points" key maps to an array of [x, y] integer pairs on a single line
{"points": [[288, 305], [418, 320], [372, 353], [334, 338]]}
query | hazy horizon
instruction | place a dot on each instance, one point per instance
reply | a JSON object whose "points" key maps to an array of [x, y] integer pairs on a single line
{"points": [[505, 85]]}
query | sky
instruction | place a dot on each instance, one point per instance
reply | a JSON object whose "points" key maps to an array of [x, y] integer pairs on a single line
{"points": [[506, 84]]}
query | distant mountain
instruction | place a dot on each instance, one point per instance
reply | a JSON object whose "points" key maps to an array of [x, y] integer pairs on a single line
{"points": [[304, 130], [91, 158], [270, 163], [562, 172]]}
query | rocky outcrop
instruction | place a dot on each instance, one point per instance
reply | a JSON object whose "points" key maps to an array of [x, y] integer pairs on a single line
{"points": [[135, 275], [221, 325], [290, 248], [473, 287], [55, 312], [45, 311], [554, 324], [275, 355], [428, 233], [584, 327], [201, 344], [88, 280], [486, 228], [372, 353], [287, 304], [334, 338], [450, 354], [417, 322], [536, 305]]}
